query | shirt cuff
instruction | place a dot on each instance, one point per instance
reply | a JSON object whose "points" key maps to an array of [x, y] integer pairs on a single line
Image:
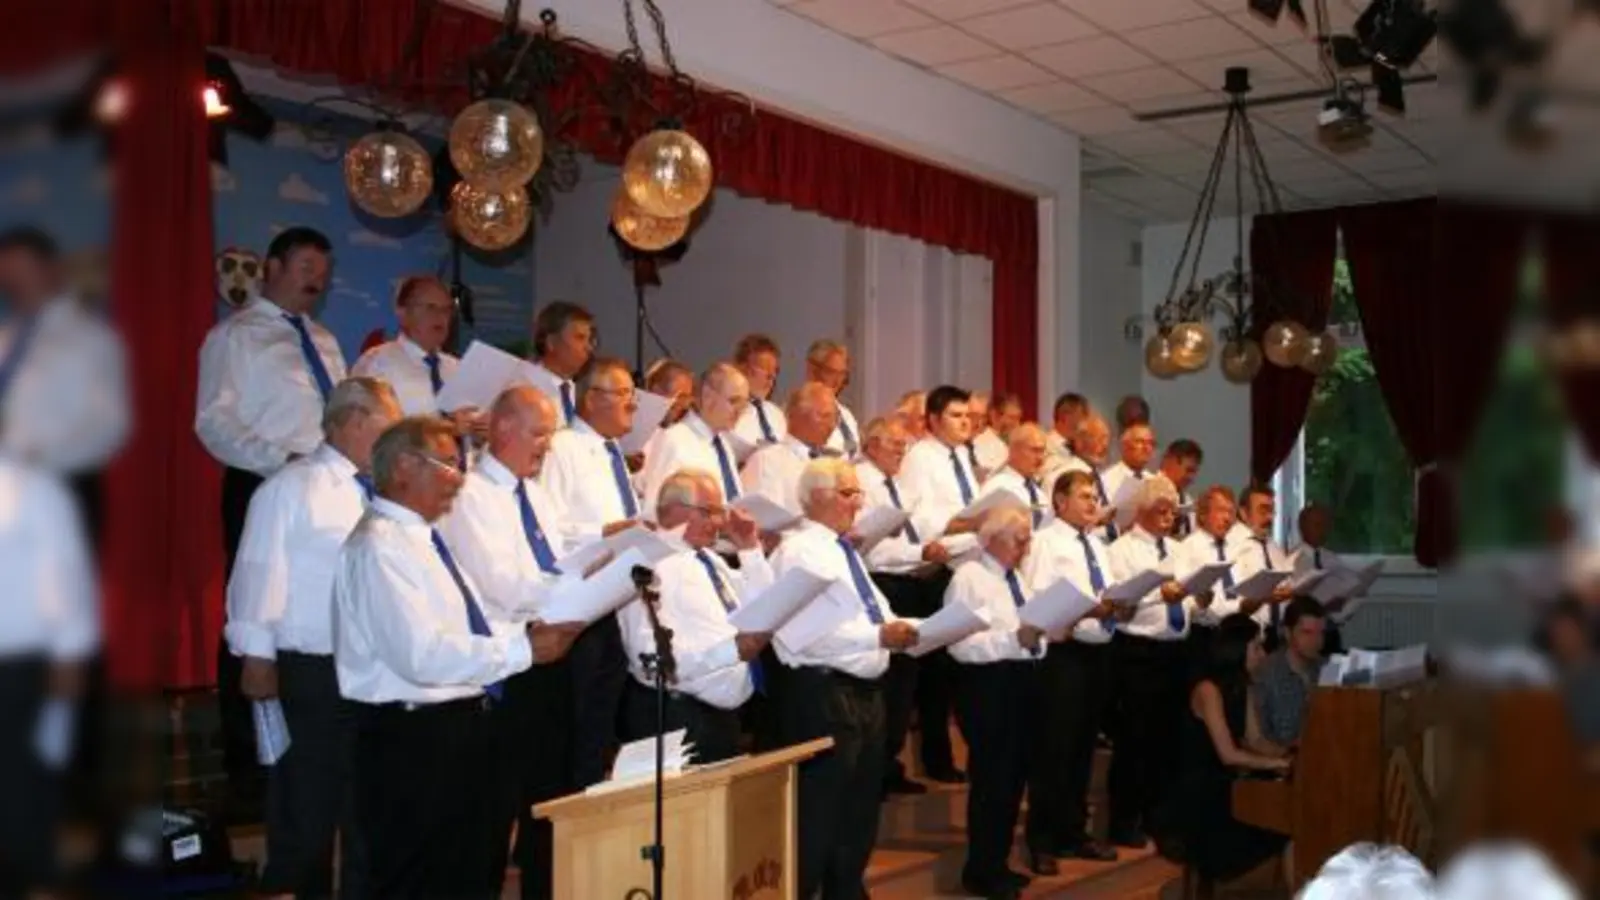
{"points": [[723, 656], [251, 639], [518, 652], [752, 556]]}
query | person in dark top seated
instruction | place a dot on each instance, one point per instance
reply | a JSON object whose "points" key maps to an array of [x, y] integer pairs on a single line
{"points": [[1288, 676], [1221, 737], [1572, 641]]}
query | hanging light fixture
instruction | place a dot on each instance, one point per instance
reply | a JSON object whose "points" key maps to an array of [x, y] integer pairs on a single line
{"points": [[489, 220], [496, 144], [642, 230], [1185, 339], [388, 174]]}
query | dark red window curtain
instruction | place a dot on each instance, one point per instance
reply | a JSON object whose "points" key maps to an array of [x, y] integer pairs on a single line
{"points": [[1572, 292], [1291, 257]]}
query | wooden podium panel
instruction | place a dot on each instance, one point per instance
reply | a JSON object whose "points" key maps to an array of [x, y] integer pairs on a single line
{"points": [[728, 830]]}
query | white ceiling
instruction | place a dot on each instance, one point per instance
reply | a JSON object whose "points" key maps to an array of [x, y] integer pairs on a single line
{"points": [[1091, 65]]}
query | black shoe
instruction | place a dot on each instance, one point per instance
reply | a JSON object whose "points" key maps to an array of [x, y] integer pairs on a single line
{"points": [[1043, 864], [903, 785], [1092, 850], [947, 776], [1132, 838]]}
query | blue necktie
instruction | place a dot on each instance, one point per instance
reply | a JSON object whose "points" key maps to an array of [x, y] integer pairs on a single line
{"points": [[972, 456], [475, 620], [1175, 616], [619, 471], [1100, 488], [1033, 502], [568, 408], [1015, 585], [863, 584], [1097, 581], [850, 444], [1227, 574], [308, 349], [365, 481], [535, 535], [757, 677], [961, 478], [434, 378], [894, 497], [11, 364], [767, 434], [730, 484]]}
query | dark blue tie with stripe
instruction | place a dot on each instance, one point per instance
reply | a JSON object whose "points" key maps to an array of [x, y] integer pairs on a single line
{"points": [[767, 434], [1097, 579], [365, 482], [894, 497], [619, 472], [758, 678], [962, 484], [1100, 488], [537, 541], [730, 484], [1175, 615], [858, 574], [434, 377], [308, 349], [475, 619]]}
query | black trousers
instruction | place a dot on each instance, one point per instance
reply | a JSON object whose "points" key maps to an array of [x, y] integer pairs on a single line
{"points": [[599, 673], [912, 598], [998, 705], [1148, 676], [88, 492], [714, 732], [840, 789], [935, 690], [426, 800], [30, 795], [245, 775], [1074, 684], [310, 798], [532, 728]]}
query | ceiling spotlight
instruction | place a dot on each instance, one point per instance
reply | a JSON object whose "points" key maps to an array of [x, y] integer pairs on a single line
{"points": [[1343, 126]]}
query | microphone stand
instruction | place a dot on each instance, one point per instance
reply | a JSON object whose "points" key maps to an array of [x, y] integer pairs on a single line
{"points": [[662, 668]]}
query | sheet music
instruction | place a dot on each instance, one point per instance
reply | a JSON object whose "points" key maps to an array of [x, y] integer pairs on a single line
{"points": [[53, 732], [484, 372], [588, 559], [1056, 608], [591, 599], [768, 515], [1307, 580], [771, 609], [1201, 580], [1130, 591], [646, 420], [637, 759], [826, 612], [953, 622], [878, 523], [1261, 585], [272, 731]]}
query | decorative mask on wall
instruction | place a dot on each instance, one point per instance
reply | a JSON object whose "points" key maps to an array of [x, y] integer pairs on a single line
{"points": [[238, 276]]}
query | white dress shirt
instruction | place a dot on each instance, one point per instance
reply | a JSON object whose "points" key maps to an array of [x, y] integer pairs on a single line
{"points": [[579, 476], [1058, 553], [404, 366], [1115, 478], [553, 386], [258, 402], [855, 647], [484, 532], [709, 668], [929, 471], [50, 606], [990, 449], [748, 428], [896, 554], [1308, 559], [1200, 549], [774, 471], [1057, 446], [280, 596], [1135, 552], [1254, 554], [65, 407], [836, 441], [1028, 491], [690, 444], [981, 585], [400, 627]]}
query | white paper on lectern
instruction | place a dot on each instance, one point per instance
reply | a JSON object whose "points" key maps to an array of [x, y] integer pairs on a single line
{"points": [[826, 612], [769, 516], [953, 622], [646, 420], [590, 600], [638, 758], [1200, 580], [1056, 608], [484, 372], [588, 559], [878, 523], [1261, 585], [771, 609], [992, 501], [1130, 591]]}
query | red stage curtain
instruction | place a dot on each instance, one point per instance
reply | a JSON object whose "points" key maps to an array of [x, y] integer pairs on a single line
{"points": [[1572, 292], [1291, 257]]}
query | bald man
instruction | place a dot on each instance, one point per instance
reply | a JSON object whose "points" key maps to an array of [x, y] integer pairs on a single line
{"points": [[1025, 459], [773, 471], [703, 440]]}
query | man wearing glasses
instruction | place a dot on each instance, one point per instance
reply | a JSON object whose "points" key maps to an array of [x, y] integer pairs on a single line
{"points": [[763, 422], [828, 364], [703, 439]]}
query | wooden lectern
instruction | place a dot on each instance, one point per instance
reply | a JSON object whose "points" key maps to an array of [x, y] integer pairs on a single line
{"points": [[728, 830]]}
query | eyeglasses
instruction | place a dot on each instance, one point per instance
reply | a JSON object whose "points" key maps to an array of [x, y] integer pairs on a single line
{"points": [[623, 394], [445, 465], [849, 493]]}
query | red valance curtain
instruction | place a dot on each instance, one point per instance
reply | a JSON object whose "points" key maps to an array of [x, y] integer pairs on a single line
{"points": [[1572, 294], [1291, 258]]}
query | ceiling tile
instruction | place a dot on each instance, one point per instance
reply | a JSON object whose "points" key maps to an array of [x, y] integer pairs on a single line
{"points": [[1407, 179], [863, 18], [1183, 163], [1140, 84], [1055, 96], [996, 73], [1286, 30], [937, 46], [950, 10], [1146, 141], [1270, 72], [1121, 15], [1027, 27], [1307, 57], [1210, 36], [1372, 161], [1098, 121], [1093, 56], [1308, 169], [1188, 100]]}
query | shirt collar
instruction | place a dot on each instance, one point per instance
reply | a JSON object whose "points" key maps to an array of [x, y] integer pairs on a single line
{"points": [[811, 526], [329, 455], [393, 511], [798, 447], [582, 426], [496, 471], [867, 470], [698, 425], [1142, 534], [413, 349], [992, 565]]}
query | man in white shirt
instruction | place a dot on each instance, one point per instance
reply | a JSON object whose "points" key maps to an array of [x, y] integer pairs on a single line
{"points": [[1121, 478], [1019, 473], [828, 364], [831, 688], [1132, 410], [702, 440], [1314, 523], [1069, 411], [773, 471], [265, 375], [417, 650], [763, 422], [903, 566], [1075, 681], [1088, 452], [989, 445], [913, 413], [280, 625], [998, 704], [718, 667], [1258, 511], [673, 380], [1149, 668], [415, 363], [502, 533], [1210, 543], [563, 343], [1180, 463]]}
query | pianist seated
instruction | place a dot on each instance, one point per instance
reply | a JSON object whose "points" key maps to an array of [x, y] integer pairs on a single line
{"points": [[1570, 638], [1284, 683], [1220, 737]]}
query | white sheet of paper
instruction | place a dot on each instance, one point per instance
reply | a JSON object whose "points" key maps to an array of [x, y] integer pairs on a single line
{"points": [[484, 372], [769, 516], [991, 501], [962, 547], [827, 611], [1260, 585], [1367, 575], [53, 733], [953, 622], [591, 599], [588, 559], [1332, 672], [1132, 590], [272, 731], [741, 448], [1056, 608], [637, 759], [1307, 581], [1336, 583], [878, 523], [646, 420], [1201, 580], [771, 609]]}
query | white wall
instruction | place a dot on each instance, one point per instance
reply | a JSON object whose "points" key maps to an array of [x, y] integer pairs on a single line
{"points": [[1111, 287]]}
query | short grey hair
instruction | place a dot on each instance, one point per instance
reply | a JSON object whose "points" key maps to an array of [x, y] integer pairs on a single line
{"points": [[1022, 433], [1368, 871], [1090, 425], [821, 475], [1006, 521], [358, 395], [598, 367], [681, 488], [1154, 489], [409, 436], [978, 396], [1491, 871], [878, 429], [719, 375], [822, 348], [809, 396]]}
